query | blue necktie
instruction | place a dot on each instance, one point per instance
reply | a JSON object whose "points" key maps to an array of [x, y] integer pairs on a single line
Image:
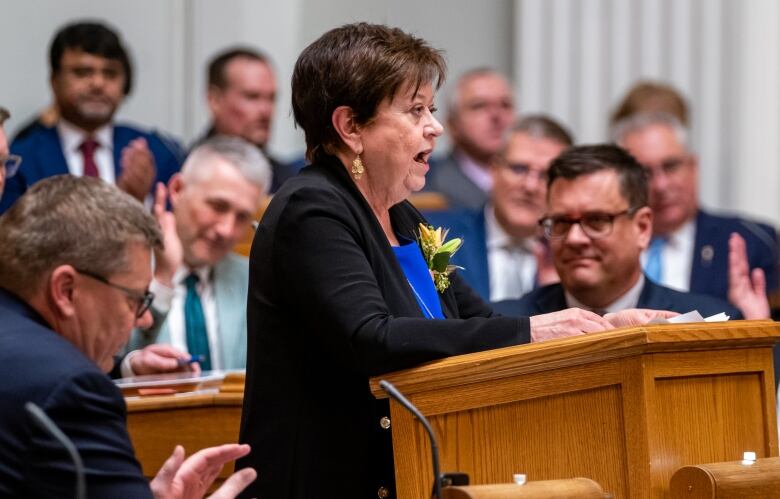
{"points": [[653, 266], [195, 323]]}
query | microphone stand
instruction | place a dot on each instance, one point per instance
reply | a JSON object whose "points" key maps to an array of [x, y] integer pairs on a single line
{"points": [[393, 392], [48, 426]]}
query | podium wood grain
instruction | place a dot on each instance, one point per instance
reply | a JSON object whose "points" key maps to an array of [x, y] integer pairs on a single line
{"points": [[625, 408]]}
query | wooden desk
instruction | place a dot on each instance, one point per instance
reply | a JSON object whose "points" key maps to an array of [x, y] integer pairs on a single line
{"points": [[625, 408], [158, 423]]}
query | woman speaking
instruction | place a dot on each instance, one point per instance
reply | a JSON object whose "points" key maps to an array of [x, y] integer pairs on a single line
{"points": [[339, 289]]}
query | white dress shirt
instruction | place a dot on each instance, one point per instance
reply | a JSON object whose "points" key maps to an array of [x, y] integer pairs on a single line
{"points": [[628, 300], [474, 171], [71, 138], [172, 301], [511, 262], [677, 257]]}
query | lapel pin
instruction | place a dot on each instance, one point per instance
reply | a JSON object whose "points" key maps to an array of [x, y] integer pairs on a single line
{"points": [[707, 254]]}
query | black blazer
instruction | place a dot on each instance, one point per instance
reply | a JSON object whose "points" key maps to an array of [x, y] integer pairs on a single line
{"points": [[654, 296], [38, 365], [329, 306]]}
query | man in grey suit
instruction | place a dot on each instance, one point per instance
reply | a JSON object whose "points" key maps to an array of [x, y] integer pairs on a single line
{"points": [[480, 111], [200, 285]]}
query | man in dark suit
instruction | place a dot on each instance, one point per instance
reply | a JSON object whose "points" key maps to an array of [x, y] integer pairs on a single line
{"points": [[598, 224], [68, 299], [242, 99], [90, 77], [502, 255], [480, 111], [690, 247], [8, 163]]}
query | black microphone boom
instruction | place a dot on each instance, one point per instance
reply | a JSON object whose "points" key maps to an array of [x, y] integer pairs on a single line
{"points": [[48, 426], [398, 397]]}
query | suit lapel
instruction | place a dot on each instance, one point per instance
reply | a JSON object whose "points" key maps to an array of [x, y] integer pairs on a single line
{"points": [[51, 158], [704, 247], [653, 297]]}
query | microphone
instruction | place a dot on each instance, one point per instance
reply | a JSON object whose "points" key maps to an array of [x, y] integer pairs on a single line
{"points": [[398, 397], [48, 426]]}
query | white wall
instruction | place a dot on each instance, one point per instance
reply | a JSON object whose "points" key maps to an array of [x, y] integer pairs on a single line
{"points": [[571, 58]]}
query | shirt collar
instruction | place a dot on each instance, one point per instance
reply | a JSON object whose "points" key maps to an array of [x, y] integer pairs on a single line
{"points": [[496, 237], [474, 171], [203, 273], [72, 136], [630, 299], [685, 233]]}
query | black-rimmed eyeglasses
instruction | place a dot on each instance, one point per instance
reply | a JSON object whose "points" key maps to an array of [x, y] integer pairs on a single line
{"points": [[143, 300], [594, 224], [10, 164]]}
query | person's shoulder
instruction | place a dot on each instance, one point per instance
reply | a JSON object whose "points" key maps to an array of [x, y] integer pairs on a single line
{"points": [[754, 231], [33, 138], [530, 303], [666, 298], [232, 264]]}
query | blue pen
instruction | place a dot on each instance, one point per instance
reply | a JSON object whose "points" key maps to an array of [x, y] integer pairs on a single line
{"points": [[192, 359]]}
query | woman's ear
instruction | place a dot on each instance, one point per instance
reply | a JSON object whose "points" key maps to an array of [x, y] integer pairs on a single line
{"points": [[343, 119]]}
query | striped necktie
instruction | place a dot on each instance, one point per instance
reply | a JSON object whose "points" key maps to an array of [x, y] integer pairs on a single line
{"points": [[195, 323]]}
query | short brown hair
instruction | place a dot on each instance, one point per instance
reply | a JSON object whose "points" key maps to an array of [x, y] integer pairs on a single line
{"points": [[651, 97], [67, 220], [216, 70], [582, 160], [357, 65]]}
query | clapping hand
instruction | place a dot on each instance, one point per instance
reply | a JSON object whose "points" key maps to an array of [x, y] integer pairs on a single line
{"points": [[170, 257], [191, 478], [137, 169]]}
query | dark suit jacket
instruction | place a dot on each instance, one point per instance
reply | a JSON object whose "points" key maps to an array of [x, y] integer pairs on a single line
{"points": [[710, 265], [329, 306], [38, 365], [42, 157], [550, 298], [473, 254], [447, 178]]}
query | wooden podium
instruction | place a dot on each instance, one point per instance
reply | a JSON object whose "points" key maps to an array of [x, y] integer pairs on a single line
{"points": [[625, 408]]}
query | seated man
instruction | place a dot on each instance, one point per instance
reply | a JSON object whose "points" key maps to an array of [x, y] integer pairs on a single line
{"points": [[201, 287], [689, 250], [502, 248], [75, 266], [90, 77], [598, 224]]}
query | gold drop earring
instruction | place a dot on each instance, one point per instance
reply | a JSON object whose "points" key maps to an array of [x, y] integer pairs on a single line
{"points": [[357, 168]]}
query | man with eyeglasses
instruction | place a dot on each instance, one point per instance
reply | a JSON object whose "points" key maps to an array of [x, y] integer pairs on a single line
{"points": [[503, 255], [90, 77], [75, 267], [9, 163], [598, 223], [689, 250]]}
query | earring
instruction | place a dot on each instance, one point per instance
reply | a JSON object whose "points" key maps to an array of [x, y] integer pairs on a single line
{"points": [[357, 168]]}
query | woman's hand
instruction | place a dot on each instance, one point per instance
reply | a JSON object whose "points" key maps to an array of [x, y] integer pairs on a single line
{"points": [[569, 322], [636, 317]]}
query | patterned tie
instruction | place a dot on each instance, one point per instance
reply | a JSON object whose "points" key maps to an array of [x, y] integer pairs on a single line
{"points": [[88, 148], [195, 323], [653, 266]]}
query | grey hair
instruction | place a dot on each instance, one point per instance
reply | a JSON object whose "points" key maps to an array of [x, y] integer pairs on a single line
{"points": [[4, 115], [453, 98], [67, 220], [245, 156], [540, 126], [640, 121]]}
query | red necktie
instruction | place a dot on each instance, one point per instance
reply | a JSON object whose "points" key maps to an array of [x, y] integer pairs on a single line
{"points": [[88, 148]]}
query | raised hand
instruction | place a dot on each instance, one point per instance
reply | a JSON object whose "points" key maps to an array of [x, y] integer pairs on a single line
{"points": [[137, 169], [170, 257], [747, 289]]}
